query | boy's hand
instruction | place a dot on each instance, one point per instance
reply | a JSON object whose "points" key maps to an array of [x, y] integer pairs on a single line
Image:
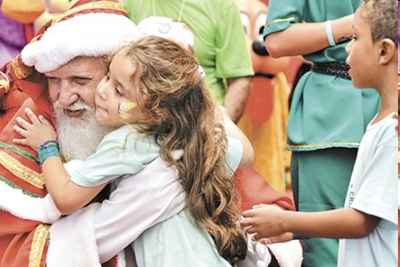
{"points": [[36, 132], [277, 239], [264, 221]]}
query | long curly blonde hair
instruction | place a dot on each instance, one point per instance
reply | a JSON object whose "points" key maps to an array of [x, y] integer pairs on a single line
{"points": [[183, 116]]}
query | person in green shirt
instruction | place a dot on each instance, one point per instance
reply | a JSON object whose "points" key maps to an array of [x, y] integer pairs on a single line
{"points": [[328, 115], [219, 46]]}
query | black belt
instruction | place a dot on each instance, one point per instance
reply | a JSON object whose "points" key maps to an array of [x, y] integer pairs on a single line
{"points": [[340, 70], [264, 75]]}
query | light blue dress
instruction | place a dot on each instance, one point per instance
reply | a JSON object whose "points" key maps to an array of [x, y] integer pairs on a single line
{"points": [[179, 241], [175, 242]]}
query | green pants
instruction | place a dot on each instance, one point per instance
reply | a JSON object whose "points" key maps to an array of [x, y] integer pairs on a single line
{"points": [[320, 179]]}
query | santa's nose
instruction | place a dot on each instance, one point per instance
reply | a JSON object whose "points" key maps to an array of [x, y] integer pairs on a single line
{"points": [[67, 99]]}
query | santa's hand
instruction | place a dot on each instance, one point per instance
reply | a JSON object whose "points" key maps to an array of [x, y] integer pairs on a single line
{"points": [[35, 132], [264, 222]]}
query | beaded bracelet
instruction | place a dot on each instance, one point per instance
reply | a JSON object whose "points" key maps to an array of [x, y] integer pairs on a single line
{"points": [[48, 149]]}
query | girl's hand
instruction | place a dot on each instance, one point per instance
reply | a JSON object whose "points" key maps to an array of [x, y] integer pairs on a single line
{"points": [[264, 221], [36, 132]]}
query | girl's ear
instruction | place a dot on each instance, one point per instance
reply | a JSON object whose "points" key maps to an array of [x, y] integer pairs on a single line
{"points": [[387, 51]]}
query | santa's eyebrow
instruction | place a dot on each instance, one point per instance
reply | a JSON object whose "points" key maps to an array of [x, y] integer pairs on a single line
{"points": [[82, 77]]}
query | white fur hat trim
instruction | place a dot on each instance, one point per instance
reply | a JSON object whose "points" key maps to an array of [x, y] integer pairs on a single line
{"points": [[94, 34]]}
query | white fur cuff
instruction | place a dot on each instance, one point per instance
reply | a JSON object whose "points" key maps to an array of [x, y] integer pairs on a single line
{"points": [[23, 206]]}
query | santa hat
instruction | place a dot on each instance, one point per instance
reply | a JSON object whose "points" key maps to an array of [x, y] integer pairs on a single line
{"points": [[92, 29]]}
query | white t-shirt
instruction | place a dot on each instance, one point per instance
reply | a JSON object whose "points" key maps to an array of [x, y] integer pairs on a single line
{"points": [[373, 190]]}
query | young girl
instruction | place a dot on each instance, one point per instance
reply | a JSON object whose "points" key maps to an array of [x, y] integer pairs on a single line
{"points": [[155, 98]]}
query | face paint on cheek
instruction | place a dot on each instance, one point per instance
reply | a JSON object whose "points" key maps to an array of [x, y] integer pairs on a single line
{"points": [[125, 107]]}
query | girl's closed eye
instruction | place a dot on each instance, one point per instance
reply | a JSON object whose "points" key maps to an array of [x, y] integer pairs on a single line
{"points": [[118, 91]]}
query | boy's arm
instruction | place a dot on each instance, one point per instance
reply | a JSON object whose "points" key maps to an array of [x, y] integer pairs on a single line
{"points": [[67, 195], [341, 223], [290, 42]]}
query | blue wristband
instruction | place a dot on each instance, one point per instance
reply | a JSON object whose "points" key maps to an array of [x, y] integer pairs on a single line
{"points": [[48, 149]]}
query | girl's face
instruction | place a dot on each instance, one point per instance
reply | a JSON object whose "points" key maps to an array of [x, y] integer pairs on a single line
{"points": [[116, 94]]}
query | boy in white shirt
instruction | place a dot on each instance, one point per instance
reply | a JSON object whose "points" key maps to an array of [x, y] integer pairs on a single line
{"points": [[367, 225]]}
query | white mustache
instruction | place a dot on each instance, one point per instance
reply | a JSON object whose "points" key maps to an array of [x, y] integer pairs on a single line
{"points": [[78, 105], [68, 128]]}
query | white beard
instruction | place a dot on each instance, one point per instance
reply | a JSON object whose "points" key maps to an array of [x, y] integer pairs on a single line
{"points": [[78, 137]]}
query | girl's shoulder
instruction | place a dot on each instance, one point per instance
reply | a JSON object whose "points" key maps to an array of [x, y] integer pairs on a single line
{"points": [[120, 134], [118, 138], [128, 143], [129, 138]]}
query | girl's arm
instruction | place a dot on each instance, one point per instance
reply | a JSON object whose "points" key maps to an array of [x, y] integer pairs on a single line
{"points": [[67, 195], [340, 223], [306, 38], [233, 131]]}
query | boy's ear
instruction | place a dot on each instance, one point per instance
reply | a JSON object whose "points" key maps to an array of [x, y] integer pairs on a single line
{"points": [[387, 51]]}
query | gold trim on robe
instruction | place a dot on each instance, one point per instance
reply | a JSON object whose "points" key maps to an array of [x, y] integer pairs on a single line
{"points": [[18, 69], [18, 169], [39, 241], [103, 6], [17, 150]]}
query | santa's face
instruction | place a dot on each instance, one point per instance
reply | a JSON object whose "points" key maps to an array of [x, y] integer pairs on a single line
{"points": [[72, 89], [76, 81]]}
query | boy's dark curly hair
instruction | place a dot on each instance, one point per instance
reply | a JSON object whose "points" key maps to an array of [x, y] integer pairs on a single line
{"points": [[381, 15]]}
